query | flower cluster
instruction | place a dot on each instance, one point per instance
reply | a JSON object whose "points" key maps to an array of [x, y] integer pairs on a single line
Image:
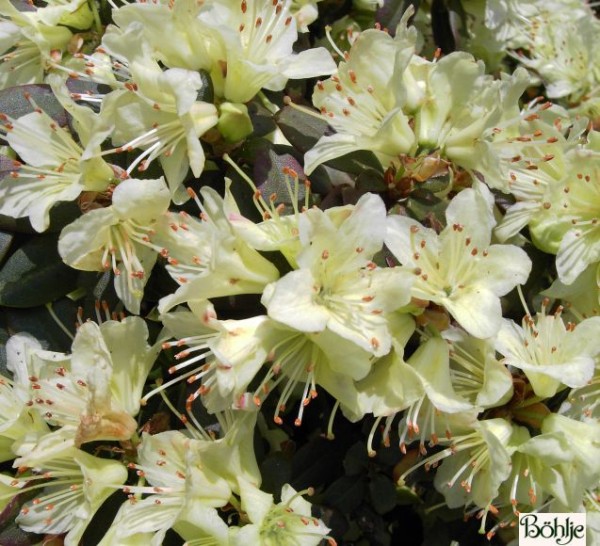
{"points": [[166, 147]]}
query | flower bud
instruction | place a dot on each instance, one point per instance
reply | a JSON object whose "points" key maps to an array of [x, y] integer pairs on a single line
{"points": [[234, 121]]}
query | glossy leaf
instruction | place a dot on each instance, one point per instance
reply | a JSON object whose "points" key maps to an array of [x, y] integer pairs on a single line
{"points": [[5, 242], [389, 14], [35, 274], [15, 102], [383, 494], [301, 129], [346, 493]]}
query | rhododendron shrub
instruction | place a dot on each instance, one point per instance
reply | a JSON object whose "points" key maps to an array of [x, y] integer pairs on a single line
{"points": [[284, 272]]}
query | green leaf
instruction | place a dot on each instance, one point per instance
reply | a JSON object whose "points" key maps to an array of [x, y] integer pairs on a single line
{"points": [[102, 519], [317, 462], [270, 178], [383, 494], [346, 493], [301, 129], [356, 162], [207, 92], [40, 324], [14, 536], [356, 460], [61, 214], [5, 242], [14, 102], [35, 274], [262, 119], [4, 335], [390, 13], [371, 180], [422, 204], [441, 27], [276, 471]]}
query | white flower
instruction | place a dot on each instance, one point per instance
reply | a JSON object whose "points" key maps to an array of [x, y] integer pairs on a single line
{"points": [[196, 45], [206, 257], [287, 523], [363, 101], [158, 111], [402, 107], [570, 453], [561, 49], [475, 464], [54, 167], [258, 38], [28, 46], [476, 373], [79, 484], [568, 223], [177, 483], [551, 353], [117, 237], [224, 355], [292, 358], [458, 268], [581, 298], [337, 286], [277, 231], [187, 479], [391, 385], [95, 392], [534, 158], [436, 401], [305, 12], [18, 422]]}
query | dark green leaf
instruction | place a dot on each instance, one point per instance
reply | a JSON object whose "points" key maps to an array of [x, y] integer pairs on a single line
{"points": [[10, 512], [271, 180], [23, 5], [262, 119], [301, 129], [323, 179], [35, 274], [276, 471], [304, 130], [373, 526], [421, 204], [15, 225], [3, 339], [207, 91], [356, 460], [316, 462], [440, 25], [371, 180], [62, 214], [5, 242], [383, 494], [356, 162], [14, 102], [87, 87], [102, 519], [14, 536], [389, 15], [40, 324], [346, 493]]}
